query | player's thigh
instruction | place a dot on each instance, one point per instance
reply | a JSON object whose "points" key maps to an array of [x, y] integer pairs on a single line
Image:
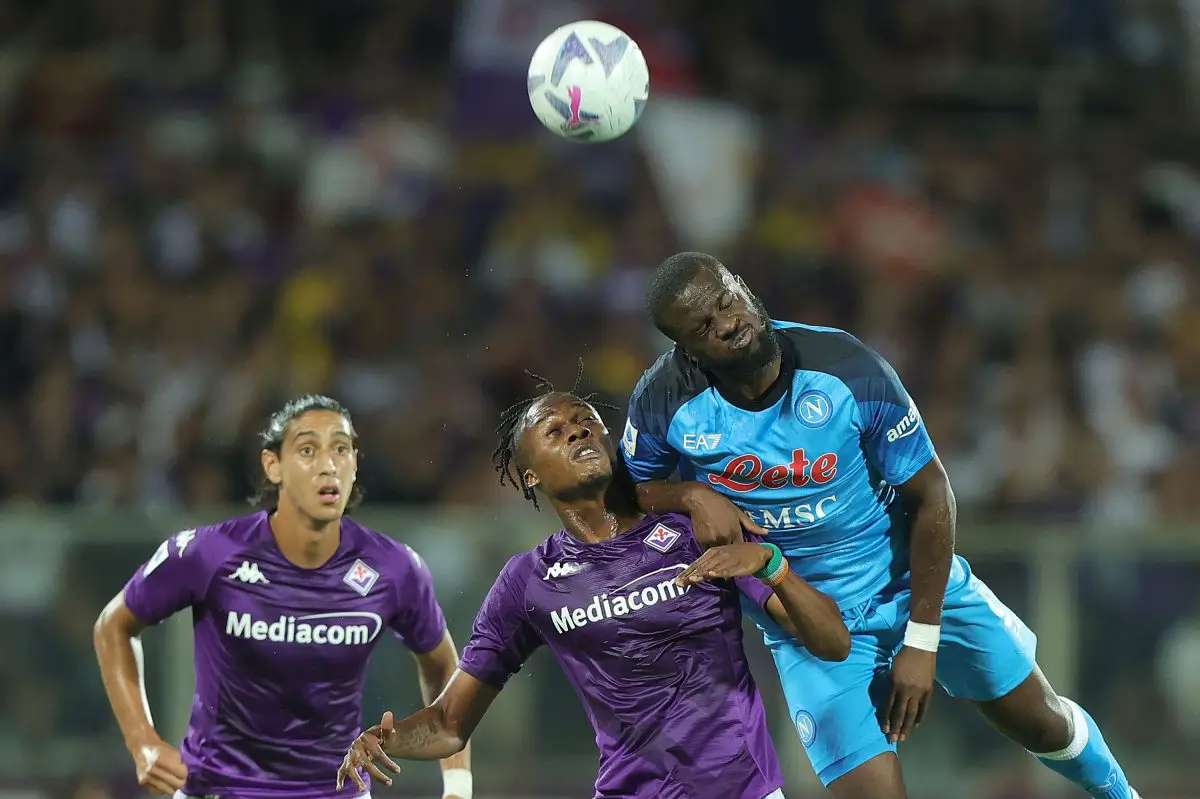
{"points": [[878, 778], [834, 706], [986, 650]]}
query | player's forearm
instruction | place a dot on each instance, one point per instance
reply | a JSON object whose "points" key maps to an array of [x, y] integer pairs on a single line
{"points": [[931, 552], [667, 496], [815, 618], [119, 653], [433, 681], [425, 735]]}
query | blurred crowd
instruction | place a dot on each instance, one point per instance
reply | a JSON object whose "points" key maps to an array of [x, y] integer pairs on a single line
{"points": [[207, 207]]}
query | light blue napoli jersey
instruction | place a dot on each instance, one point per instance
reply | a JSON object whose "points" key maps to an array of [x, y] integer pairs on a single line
{"points": [[815, 461]]}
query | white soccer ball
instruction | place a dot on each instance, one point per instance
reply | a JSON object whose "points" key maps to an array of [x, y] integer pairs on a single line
{"points": [[588, 82]]}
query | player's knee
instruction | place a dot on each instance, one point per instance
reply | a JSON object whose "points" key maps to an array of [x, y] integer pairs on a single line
{"points": [[1040, 727]]}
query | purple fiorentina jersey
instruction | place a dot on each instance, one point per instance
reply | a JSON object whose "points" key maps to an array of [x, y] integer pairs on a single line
{"points": [[281, 651], [660, 669]]}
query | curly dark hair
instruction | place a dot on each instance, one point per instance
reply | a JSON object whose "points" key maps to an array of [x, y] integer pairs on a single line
{"points": [[267, 495], [506, 455]]}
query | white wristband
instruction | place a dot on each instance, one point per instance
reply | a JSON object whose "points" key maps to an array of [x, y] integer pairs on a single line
{"points": [[457, 782], [923, 636]]}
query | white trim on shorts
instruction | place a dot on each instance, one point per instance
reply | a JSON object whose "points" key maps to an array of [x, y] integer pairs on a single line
{"points": [[775, 794], [367, 795]]}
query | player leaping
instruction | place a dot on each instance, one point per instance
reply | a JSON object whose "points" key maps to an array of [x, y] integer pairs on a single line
{"points": [[287, 604], [812, 435], [659, 665]]}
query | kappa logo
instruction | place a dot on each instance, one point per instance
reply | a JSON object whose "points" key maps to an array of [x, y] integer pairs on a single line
{"points": [[906, 426], [249, 573], [662, 538], [562, 569], [361, 577], [701, 441], [181, 539]]}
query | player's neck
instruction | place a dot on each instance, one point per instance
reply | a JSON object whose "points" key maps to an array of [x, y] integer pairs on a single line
{"points": [[596, 519], [753, 386], [305, 542]]}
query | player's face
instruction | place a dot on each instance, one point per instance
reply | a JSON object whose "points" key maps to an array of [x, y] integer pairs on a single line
{"points": [[722, 326], [316, 466], [566, 448]]}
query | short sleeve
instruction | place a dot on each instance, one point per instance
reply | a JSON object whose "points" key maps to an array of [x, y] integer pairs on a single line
{"points": [[647, 455], [754, 590], [175, 577], [419, 621], [893, 435], [502, 639]]}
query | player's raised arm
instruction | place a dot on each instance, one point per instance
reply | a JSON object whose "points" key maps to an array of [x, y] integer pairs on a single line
{"points": [[174, 578], [652, 460], [763, 576]]}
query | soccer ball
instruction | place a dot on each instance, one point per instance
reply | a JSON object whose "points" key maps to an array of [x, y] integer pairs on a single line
{"points": [[588, 82]]}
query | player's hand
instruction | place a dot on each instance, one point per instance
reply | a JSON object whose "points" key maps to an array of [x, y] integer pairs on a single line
{"points": [[159, 767], [731, 560], [913, 672], [715, 520], [366, 749]]}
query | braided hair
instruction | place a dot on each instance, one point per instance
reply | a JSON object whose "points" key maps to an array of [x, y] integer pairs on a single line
{"points": [[511, 427]]}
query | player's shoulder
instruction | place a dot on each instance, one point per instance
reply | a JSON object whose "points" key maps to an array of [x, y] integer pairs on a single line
{"points": [[232, 534], [523, 567], [827, 349], [372, 546], [665, 387], [834, 352], [203, 549]]}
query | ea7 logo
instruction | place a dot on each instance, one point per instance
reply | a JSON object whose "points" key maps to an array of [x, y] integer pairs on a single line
{"points": [[906, 426], [701, 441]]}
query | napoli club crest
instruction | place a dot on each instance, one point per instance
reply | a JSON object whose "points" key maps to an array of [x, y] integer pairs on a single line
{"points": [[814, 409], [662, 538], [361, 577], [806, 725]]}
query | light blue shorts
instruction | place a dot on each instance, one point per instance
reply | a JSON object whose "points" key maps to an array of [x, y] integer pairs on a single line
{"points": [[986, 651]]}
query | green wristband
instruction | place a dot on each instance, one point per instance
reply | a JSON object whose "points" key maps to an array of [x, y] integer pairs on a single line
{"points": [[773, 565]]}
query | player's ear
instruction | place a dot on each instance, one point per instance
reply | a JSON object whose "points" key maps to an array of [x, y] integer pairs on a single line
{"points": [[270, 466], [530, 477]]}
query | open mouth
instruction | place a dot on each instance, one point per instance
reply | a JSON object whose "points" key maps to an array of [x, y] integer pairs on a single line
{"points": [[742, 338], [329, 495], [586, 452]]}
